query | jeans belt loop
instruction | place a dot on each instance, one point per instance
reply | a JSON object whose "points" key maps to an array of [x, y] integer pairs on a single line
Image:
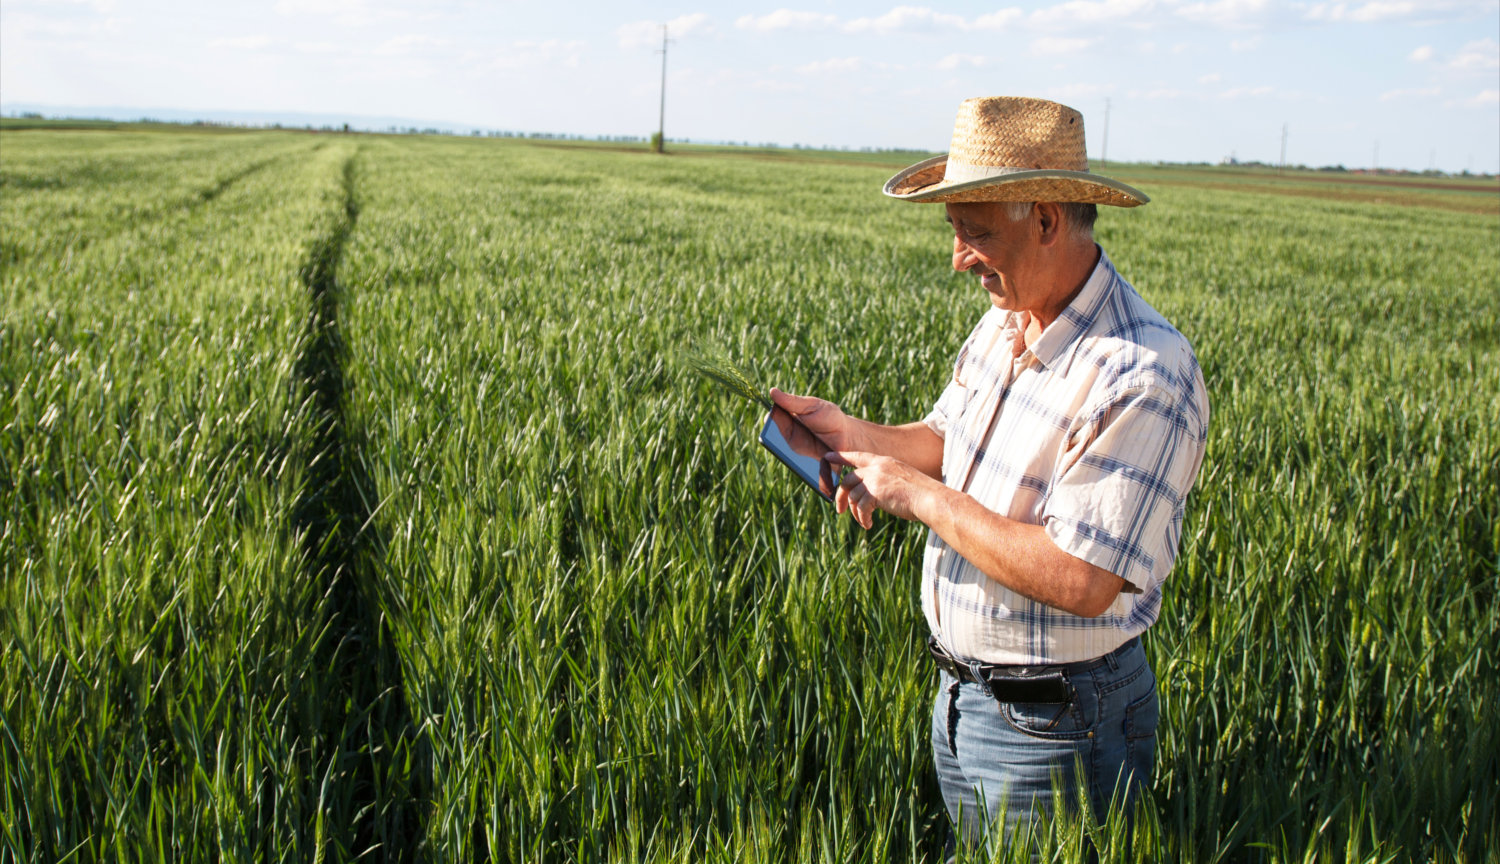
{"points": [[977, 670]]}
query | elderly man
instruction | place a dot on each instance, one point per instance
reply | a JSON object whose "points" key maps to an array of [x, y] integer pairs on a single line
{"points": [[1052, 474]]}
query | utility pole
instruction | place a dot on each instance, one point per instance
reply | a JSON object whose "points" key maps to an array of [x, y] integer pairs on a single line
{"points": [[1104, 160], [661, 127], [1376, 169], [1282, 169]]}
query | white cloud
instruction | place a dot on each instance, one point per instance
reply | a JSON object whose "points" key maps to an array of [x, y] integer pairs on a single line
{"points": [[1478, 56], [1226, 13], [1409, 93], [1210, 78], [1001, 20], [1049, 46], [1077, 12], [1380, 11], [1374, 10], [647, 34], [898, 21], [1240, 46], [1484, 99], [1421, 54], [1071, 15], [786, 19], [954, 61], [908, 19]]}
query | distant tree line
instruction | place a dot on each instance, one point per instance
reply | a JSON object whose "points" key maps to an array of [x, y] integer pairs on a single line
{"points": [[1228, 161]]}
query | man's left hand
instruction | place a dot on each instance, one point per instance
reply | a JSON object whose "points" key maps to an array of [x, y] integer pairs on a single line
{"points": [[880, 483]]}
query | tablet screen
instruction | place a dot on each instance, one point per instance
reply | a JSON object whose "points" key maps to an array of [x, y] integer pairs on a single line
{"points": [[800, 450]]}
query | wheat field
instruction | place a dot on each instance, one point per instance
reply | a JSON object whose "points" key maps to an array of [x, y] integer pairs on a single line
{"points": [[357, 501]]}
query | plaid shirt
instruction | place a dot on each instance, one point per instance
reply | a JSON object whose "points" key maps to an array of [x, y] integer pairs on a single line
{"points": [[1094, 431]]}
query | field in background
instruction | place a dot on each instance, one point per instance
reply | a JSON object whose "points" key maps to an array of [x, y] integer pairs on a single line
{"points": [[353, 497]]}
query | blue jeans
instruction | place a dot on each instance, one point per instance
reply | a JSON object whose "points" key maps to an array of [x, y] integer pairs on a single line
{"points": [[993, 757]]}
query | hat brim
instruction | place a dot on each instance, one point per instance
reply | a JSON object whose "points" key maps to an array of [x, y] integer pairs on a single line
{"points": [[923, 183]]}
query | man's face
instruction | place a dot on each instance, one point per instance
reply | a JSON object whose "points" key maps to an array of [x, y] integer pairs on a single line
{"points": [[1000, 252]]}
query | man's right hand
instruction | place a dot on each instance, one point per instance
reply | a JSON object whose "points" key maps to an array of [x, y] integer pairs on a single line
{"points": [[823, 418]]}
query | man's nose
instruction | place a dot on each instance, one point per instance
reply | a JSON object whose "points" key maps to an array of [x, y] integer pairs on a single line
{"points": [[963, 256]]}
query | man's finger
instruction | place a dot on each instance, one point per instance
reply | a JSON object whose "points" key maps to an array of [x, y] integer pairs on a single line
{"points": [[851, 458], [865, 515], [854, 497]]}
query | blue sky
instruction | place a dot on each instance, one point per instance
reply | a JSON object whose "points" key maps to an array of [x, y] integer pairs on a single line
{"points": [[1412, 83]]}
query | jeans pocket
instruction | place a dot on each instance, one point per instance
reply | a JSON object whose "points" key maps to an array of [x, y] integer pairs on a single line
{"points": [[1141, 717], [1047, 719]]}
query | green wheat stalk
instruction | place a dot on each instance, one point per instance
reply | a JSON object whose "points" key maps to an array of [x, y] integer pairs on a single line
{"points": [[716, 366]]}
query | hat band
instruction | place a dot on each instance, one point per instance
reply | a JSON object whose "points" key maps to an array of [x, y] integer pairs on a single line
{"points": [[966, 172], [963, 172]]}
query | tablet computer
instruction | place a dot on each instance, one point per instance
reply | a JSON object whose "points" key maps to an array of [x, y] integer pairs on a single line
{"points": [[800, 450]]}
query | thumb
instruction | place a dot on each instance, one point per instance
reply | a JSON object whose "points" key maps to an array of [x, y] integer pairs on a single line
{"points": [[794, 404]]}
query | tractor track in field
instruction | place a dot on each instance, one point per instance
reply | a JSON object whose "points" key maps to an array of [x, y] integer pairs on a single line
{"points": [[369, 742], [222, 185], [141, 220]]}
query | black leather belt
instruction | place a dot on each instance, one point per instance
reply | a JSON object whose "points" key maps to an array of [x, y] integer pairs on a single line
{"points": [[1044, 684]]}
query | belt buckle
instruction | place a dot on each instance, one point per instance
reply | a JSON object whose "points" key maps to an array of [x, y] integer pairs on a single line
{"points": [[944, 661]]}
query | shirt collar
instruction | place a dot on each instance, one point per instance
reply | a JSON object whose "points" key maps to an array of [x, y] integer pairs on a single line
{"points": [[1057, 342]]}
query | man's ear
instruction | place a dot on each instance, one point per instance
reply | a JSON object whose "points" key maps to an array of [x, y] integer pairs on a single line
{"points": [[1049, 222]]}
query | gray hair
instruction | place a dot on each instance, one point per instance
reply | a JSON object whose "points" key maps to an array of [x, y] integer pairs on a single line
{"points": [[1080, 217]]}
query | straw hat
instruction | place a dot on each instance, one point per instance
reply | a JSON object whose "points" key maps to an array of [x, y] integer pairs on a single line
{"points": [[1009, 148]]}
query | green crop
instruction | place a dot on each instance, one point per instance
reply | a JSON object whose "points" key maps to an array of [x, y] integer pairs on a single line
{"points": [[712, 363], [355, 502]]}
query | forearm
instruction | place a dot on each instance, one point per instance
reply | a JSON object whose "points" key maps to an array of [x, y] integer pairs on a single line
{"points": [[1016, 554], [912, 443]]}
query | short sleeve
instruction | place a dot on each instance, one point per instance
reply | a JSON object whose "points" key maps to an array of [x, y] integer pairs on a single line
{"points": [[1118, 495], [950, 404], [946, 408]]}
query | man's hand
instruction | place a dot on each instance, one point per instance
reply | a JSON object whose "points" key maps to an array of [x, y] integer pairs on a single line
{"points": [[823, 418], [913, 443], [880, 483]]}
